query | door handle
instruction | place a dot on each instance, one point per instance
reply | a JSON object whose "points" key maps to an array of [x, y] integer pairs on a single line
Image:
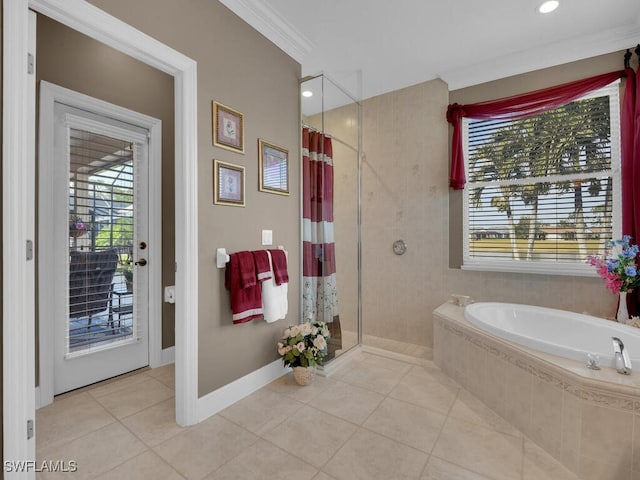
{"points": [[142, 262]]}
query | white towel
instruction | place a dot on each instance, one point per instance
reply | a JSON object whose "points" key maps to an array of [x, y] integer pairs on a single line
{"points": [[274, 297]]}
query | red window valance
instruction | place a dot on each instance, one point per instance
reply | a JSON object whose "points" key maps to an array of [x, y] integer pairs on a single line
{"points": [[518, 106]]}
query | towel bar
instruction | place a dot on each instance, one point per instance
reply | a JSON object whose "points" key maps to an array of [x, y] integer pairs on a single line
{"points": [[222, 257]]}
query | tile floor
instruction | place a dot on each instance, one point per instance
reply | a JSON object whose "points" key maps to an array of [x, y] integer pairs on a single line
{"points": [[374, 418]]}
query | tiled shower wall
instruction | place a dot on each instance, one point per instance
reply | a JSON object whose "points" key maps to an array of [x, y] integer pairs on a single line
{"points": [[406, 196]]}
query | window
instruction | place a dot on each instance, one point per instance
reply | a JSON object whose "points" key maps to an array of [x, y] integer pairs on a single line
{"points": [[543, 192]]}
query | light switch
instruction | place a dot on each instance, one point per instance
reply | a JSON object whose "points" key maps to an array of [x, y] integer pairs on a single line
{"points": [[267, 237]]}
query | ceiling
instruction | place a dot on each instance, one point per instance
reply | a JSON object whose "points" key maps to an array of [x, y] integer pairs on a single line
{"points": [[371, 47]]}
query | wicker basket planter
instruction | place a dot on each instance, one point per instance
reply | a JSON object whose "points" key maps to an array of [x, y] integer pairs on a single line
{"points": [[304, 375]]}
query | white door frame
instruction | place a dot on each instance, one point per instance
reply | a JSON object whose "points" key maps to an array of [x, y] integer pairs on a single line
{"points": [[19, 206], [49, 95]]}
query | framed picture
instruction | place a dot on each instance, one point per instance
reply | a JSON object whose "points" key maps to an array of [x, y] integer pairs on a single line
{"points": [[273, 165], [228, 128], [228, 184]]}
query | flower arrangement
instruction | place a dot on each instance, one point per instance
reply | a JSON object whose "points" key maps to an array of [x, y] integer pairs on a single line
{"points": [[305, 344], [618, 266], [76, 226]]}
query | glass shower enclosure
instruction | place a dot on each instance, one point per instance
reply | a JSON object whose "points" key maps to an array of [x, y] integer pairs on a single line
{"points": [[332, 251]]}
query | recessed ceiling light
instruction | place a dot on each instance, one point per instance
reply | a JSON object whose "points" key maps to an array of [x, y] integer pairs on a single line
{"points": [[549, 6], [307, 93]]}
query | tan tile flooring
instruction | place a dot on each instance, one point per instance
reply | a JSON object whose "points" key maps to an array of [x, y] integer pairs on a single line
{"points": [[374, 418]]}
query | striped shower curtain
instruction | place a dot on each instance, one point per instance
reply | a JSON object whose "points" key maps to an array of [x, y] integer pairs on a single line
{"points": [[320, 291]]}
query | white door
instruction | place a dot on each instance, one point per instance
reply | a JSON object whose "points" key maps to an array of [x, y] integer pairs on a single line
{"points": [[99, 205]]}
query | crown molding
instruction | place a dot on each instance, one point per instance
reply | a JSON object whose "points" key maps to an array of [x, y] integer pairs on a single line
{"points": [[544, 56], [273, 26]]}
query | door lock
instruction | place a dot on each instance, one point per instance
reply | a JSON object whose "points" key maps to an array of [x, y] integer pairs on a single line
{"points": [[142, 245], [142, 262]]}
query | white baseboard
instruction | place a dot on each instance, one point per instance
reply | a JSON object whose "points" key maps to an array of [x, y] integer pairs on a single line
{"points": [[168, 356], [38, 402], [227, 395]]}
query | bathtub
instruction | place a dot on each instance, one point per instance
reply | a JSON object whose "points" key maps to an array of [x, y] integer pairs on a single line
{"points": [[567, 409], [558, 332]]}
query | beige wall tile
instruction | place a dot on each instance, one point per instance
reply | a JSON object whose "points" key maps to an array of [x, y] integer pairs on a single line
{"points": [[606, 434], [518, 409], [493, 377], [546, 416], [636, 443], [571, 431]]}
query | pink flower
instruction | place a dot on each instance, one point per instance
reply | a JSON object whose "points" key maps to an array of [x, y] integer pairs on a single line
{"points": [[613, 283]]}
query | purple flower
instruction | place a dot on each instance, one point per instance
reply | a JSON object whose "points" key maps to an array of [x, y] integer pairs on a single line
{"points": [[631, 270]]}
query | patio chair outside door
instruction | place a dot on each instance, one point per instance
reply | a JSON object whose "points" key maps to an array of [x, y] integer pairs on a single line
{"points": [[99, 204]]}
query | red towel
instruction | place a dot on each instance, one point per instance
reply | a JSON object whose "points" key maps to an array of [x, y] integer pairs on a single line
{"points": [[263, 270], [248, 276], [279, 260], [245, 293]]}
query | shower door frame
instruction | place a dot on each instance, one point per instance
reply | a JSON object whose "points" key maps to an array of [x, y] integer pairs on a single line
{"points": [[358, 105]]}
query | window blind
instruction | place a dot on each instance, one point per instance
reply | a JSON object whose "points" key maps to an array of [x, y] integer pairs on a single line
{"points": [[101, 200], [543, 189]]}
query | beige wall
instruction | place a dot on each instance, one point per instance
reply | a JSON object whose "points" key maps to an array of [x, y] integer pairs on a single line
{"points": [[240, 68], [406, 195], [72, 60]]}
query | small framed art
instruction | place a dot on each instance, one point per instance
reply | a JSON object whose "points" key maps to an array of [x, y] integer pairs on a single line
{"points": [[228, 184], [228, 128], [273, 165]]}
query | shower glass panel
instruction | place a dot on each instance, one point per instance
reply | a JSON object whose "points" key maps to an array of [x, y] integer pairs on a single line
{"points": [[334, 113]]}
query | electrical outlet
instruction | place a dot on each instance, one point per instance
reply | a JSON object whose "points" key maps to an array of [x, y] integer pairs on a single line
{"points": [[170, 294]]}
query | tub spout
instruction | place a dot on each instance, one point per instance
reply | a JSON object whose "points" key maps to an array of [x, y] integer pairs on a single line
{"points": [[621, 357]]}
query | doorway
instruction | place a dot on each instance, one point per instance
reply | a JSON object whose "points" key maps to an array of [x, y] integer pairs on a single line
{"points": [[19, 194], [95, 249]]}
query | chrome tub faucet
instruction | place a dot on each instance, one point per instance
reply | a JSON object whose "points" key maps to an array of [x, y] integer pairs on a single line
{"points": [[621, 357]]}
